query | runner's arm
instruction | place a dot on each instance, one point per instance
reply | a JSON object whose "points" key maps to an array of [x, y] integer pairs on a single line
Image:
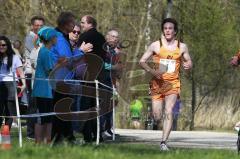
{"points": [[145, 57], [186, 59]]}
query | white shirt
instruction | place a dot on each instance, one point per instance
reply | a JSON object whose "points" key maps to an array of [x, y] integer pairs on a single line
{"points": [[29, 46], [7, 75]]}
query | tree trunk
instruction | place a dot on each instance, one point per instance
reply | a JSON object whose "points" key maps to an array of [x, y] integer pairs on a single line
{"points": [[169, 8], [148, 29], [193, 102]]}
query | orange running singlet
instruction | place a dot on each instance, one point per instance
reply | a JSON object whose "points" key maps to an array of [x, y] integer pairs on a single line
{"points": [[168, 62]]}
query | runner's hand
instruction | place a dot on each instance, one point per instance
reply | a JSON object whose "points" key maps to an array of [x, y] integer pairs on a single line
{"points": [[234, 61], [187, 65], [156, 73]]}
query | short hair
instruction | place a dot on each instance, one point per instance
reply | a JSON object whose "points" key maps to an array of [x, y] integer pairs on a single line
{"points": [[64, 18], [112, 29], [91, 20], [33, 19], [78, 25], [170, 20]]}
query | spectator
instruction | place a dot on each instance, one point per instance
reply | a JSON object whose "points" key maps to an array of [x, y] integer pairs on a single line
{"points": [[10, 63], [17, 47], [112, 68], [91, 35], [36, 23], [41, 88], [74, 37], [176, 112], [136, 107], [62, 50]]}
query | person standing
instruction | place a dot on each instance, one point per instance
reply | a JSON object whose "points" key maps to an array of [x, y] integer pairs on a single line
{"points": [[74, 37], [9, 65], [91, 35], [36, 23], [42, 91], [63, 50], [167, 55], [136, 107], [113, 67], [176, 113]]}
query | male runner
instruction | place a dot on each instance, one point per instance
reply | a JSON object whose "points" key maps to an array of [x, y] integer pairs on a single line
{"points": [[167, 55]]}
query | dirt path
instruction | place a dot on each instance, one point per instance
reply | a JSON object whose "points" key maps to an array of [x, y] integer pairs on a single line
{"points": [[186, 139]]}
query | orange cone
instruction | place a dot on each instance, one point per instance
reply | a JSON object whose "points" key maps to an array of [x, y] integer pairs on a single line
{"points": [[6, 138]]}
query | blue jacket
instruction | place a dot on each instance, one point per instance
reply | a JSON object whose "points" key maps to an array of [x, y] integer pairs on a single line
{"points": [[63, 48]]}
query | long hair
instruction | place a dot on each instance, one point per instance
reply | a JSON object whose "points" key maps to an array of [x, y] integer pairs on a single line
{"points": [[9, 52]]}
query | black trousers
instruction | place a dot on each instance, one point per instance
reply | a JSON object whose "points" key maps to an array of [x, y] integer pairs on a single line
{"points": [[7, 102], [7, 108], [61, 129], [90, 126], [31, 106]]}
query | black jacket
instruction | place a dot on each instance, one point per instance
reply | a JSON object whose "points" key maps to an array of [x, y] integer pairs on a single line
{"points": [[96, 39]]}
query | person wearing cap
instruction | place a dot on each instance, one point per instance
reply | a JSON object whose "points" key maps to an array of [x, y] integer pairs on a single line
{"points": [[42, 91], [168, 54]]}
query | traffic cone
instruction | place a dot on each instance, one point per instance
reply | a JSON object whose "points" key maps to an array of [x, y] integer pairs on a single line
{"points": [[6, 138]]}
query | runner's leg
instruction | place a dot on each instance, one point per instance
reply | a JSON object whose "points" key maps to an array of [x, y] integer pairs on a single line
{"points": [[157, 110], [170, 101]]}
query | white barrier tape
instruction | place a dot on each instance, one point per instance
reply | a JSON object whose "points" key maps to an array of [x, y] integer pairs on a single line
{"points": [[63, 80], [46, 114], [105, 85], [47, 79]]}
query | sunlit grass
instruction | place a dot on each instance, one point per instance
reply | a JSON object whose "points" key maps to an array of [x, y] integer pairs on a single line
{"points": [[114, 150]]}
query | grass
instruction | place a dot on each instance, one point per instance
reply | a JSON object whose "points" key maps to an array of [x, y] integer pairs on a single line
{"points": [[117, 150], [112, 151]]}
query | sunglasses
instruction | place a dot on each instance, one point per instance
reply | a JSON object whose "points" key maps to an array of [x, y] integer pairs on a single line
{"points": [[3, 45], [74, 32]]}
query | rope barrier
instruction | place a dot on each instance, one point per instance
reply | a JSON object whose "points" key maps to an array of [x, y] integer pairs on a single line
{"points": [[19, 116], [68, 80], [46, 114]]}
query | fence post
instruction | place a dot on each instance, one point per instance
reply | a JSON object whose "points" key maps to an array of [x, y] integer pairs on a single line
{"points": [[97, 109], [113, 113], [18, 110]]}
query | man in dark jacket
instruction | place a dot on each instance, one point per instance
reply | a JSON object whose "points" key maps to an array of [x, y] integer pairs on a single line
{"points": [[91, 35]]}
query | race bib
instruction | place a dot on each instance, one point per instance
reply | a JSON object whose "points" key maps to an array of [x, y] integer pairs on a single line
{"points": [[167, 65]]}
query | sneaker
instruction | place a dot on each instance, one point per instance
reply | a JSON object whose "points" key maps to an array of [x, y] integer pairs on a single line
{"points": [[109, 131], [163, 147], [30, 138], [106, 134], [14, 125]]}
